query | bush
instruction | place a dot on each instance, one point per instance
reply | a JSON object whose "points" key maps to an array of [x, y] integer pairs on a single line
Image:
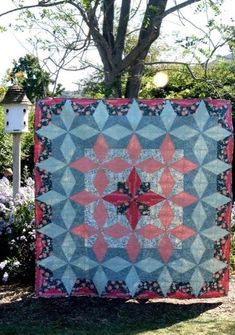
{"points": [[6, 144], [17, 233]]}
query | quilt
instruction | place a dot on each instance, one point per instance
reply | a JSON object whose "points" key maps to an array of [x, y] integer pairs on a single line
{"points": [[133, 198]]}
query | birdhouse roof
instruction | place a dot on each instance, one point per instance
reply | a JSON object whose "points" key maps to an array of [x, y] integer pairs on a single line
{"points": [[15, 94]]}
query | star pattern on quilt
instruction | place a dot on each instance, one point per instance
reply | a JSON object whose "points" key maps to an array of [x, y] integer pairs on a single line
{"points": [[134, 198]]}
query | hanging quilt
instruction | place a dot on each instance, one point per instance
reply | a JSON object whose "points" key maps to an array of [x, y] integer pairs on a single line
{"points": [[133, 198]]}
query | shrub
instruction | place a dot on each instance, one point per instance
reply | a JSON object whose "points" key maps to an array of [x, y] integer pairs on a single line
{"points": [[17, 233], [6, 144]]}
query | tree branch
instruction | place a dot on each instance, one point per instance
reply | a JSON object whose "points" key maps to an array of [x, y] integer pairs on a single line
{"points": [[122, 29], [174, 63], [39, 5], [212, 53], [152, 17], [179, 6], [197, 27], [148, 33], [108, 6], [183, 64]]}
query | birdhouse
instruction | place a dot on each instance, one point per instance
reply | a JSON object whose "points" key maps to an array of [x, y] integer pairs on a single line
{"points": [[16, 105]]}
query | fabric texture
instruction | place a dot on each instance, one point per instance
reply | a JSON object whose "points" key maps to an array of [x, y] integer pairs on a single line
{"points": [[133, 197]]}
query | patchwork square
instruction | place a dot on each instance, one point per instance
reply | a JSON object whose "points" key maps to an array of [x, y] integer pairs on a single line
{"points": [[133, 198]]}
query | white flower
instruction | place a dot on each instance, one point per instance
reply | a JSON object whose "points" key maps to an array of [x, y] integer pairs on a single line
{"points": [[11, 204], [3, 264], [3, 208], [5, 277], [23, 238], [16, 263]]}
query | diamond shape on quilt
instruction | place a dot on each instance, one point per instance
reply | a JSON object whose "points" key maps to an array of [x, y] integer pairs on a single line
{"points": [[68, 214], [51, 132], [68, 279], [149, 264], [151, 132], [134, 115], [51, 165], [84, 263], [165, 280], [201, 116], [200, 183], [101, 115], [117, 132], [68, 181], [199, 215], [168, 116], [132, 280], [84, 132], [68, 246], [67, 115], [52, 230], [117, 264], [200, 149]]}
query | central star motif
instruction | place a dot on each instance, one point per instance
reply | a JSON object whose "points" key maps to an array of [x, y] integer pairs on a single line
{"points": [[133, 198]]}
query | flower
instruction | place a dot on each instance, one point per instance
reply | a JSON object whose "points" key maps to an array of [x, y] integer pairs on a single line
{"points": [[17, 231], [16, 263], [3, 264], [3, 208], [5, 277]]}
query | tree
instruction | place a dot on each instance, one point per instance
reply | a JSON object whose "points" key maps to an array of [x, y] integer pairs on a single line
{"points": [[30, 75], [95, 84], [36, 83], [182, 84], [106, 25]]}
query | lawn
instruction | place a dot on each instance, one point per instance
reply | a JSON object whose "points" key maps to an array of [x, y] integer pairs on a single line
{"points": [[22, 313]]}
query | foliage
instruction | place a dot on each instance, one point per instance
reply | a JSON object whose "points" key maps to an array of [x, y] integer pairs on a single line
{"points": [[5, 150], [27, 146], [36, 82], [220, 83], [17, 235], [2, 29], [93, 86], [5, 144], [2, 92]]}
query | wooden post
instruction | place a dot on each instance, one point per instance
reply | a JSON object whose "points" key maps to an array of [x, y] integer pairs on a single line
{"points": [[16, 163]]}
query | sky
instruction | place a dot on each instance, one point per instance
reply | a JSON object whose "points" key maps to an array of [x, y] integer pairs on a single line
{"points": [[14, 45]]}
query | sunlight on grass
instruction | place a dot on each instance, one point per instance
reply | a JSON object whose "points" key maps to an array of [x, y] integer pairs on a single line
{"points": [[200, 325]]}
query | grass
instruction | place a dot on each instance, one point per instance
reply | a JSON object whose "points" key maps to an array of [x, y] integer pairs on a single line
{"points": [[86, 316], [205, 327], [199, 325]]}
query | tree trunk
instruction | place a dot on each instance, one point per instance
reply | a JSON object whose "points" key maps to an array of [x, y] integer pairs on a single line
{"points": [[134, 81], [113, 85], [134, 77], [149, 33]]}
